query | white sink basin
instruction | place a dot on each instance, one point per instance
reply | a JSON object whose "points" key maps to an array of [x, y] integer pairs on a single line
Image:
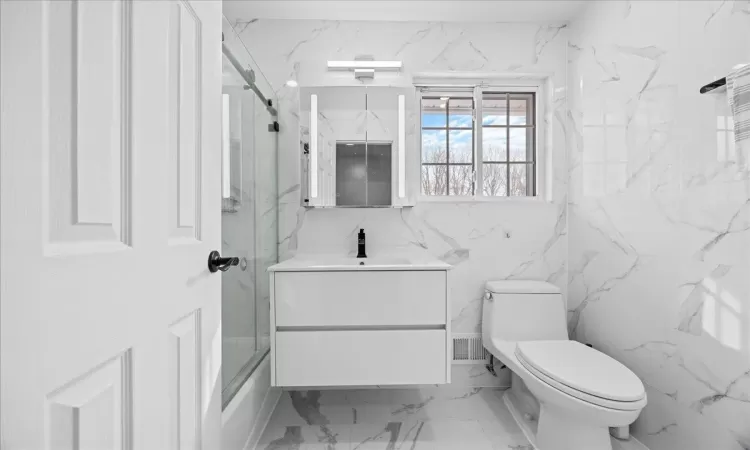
{"points": [[348, 262], [302, 263]]}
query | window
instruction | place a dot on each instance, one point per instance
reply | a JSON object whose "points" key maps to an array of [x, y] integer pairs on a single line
{"points": [[448, 144], [464, 157]]}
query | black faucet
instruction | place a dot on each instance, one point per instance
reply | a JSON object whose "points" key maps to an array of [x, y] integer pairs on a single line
{"points": [[361, 244]]}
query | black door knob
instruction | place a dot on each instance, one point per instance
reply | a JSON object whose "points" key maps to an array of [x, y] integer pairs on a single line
{"points": [[216, 262]]}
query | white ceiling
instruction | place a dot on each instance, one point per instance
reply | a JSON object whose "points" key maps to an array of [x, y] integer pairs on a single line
{"points": [[408, 10]]}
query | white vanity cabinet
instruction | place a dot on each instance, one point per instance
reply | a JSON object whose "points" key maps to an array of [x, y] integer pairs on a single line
{"points": [[349, 325]]}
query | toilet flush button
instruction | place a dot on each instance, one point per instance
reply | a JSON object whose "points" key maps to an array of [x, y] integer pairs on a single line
{"points": [[488, 296]]}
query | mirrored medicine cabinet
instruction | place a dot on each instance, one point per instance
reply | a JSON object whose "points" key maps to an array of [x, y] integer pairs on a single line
{"points": [[358, 145]]}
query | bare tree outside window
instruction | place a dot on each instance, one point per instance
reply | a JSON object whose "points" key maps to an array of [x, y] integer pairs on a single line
{"points": [[448, 145], [508, 147], [507, 153]]}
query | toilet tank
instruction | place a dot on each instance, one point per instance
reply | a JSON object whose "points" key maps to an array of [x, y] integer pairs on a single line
{"points": [[520, 310]]}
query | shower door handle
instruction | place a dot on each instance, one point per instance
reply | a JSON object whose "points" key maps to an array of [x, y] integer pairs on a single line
{"points": [[216, 262]]}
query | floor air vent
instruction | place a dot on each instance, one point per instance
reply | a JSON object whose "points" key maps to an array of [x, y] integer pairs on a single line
{"points": [[468, 349]]}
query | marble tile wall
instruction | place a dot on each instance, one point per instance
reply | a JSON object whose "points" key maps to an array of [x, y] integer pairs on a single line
{"points": [[505, 239], [659, 213]]}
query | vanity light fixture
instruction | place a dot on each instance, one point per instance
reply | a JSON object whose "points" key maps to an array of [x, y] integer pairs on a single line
{"points": [[313, 146], [226, 190], [401, 146]]}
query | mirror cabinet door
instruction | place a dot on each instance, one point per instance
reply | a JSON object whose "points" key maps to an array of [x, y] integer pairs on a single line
{"points": [[391, 126], [357, 139]]}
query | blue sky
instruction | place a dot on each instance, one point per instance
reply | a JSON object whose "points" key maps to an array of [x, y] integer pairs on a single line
{"points": [[494, 139]]}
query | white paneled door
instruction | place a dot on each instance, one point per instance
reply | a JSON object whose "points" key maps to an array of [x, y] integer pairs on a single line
{"points": [[109, 186]]}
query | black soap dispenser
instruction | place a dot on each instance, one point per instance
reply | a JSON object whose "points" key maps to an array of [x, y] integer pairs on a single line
{"points": [[361, 244]]}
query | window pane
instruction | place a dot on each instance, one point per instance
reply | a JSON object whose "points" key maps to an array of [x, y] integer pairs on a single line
{"points": [[460, 112], [433, 146], [521, 180], [521, 144], [433, 112], [461, 180], [495, 180], [434, 180], [494, 109], [461, 146], [494, 144], [521, 109]]}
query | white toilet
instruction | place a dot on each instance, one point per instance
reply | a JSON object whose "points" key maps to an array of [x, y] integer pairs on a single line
{"points": [[571, 392]]}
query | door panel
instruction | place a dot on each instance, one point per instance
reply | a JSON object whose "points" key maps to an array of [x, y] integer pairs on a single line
{"points": [[92, 411], [85, 96], [185, 380], [109, 207], [184, 114]]}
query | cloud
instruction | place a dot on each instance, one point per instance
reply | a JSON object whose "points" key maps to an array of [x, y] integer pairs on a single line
{"points": [[460, 121], [493, 120], [461, 136]]}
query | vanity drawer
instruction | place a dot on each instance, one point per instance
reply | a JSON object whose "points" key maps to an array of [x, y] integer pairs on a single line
{"points": [[360, 298], [357, 358]]}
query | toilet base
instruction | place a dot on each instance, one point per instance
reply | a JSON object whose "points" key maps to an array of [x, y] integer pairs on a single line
{"points": [[525, 421], [550, 428], [557, 432]]}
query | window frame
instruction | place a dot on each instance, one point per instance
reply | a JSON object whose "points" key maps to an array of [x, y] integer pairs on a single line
{"points": [[479, 88]]}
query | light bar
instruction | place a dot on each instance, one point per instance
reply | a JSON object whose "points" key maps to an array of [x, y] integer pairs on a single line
{"points": [[313, 146], [226, 187], [361, 64], [401, 146]]}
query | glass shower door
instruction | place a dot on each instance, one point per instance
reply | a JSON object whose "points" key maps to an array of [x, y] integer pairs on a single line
{"points": [[248, 221]]}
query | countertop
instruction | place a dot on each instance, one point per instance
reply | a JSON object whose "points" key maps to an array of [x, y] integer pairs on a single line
{"points": [[327, 263]]}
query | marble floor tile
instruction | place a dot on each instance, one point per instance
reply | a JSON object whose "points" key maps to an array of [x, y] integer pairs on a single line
{"points": [[422, 435], [313, 408], [306, 437], [393, 419], [381, 437]]}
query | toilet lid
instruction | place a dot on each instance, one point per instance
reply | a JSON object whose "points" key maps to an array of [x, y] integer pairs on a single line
{"points": [[582, 368]]}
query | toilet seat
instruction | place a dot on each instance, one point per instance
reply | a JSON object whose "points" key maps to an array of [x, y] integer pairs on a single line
{"points": [[583, 372]]}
